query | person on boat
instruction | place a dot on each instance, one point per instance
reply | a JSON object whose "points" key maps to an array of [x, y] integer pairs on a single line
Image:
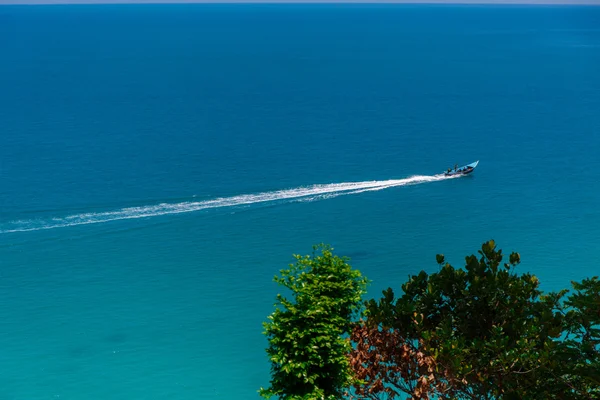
{"points": [[456, 167]]}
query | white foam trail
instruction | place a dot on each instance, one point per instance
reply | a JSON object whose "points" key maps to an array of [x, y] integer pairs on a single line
{"points": [[308, 193]]}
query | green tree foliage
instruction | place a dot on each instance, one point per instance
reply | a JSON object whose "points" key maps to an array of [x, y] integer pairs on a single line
{"points": [[308, 353], [482, 332], [579, 362]]}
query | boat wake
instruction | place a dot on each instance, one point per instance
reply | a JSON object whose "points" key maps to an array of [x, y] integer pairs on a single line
{"points": [[306, 193]]}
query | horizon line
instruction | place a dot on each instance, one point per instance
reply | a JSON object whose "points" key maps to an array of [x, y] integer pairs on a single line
{"points": [[291, 2]]}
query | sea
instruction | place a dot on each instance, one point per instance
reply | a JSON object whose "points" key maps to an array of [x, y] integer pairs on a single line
{"points": [[159, 164]]}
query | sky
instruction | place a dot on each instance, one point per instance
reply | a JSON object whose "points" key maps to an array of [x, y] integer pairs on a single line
{"points": [[592, 2]]}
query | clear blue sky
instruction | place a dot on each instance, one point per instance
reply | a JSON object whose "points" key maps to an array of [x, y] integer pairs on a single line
{"points": [[592, 2]]}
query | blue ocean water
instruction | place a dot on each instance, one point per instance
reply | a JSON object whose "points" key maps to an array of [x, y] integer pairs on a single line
{"points": [[159, 164]]}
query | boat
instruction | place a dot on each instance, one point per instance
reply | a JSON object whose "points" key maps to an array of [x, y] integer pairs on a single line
{"points": [[464, 170]]}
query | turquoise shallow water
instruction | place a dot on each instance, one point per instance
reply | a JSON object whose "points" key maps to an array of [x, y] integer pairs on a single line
{"points": [[158, 166]]}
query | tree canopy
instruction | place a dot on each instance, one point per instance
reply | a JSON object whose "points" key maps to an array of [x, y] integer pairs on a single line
{"points": [[479, 332], [308, 353], [482, 332]]}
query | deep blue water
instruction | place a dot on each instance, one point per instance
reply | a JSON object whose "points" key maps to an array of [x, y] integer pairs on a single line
{"points": [[107, 112]]}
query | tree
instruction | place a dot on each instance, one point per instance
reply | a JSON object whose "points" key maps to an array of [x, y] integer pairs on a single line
{"points": [[307, 348], [484, 332], [579, 362]]}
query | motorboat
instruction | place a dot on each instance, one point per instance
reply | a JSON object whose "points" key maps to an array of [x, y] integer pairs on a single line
{"points": [[464, 170]]}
